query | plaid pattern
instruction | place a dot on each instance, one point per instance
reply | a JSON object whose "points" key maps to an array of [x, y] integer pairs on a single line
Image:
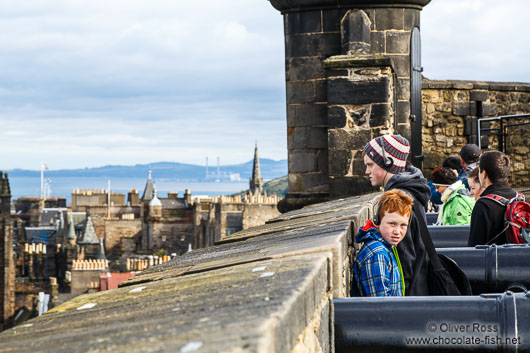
{"points": [[376, 271]]}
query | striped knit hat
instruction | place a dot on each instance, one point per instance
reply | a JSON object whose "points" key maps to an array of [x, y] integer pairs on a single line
{"points": [[396, 149]]}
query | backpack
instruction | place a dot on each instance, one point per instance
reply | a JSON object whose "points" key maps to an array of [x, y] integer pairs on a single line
{"points": [[516, 218]]}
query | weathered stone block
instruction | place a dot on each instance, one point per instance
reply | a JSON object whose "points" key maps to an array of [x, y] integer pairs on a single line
{"points": [[291, 115], [321, 91], [336, 72], [378, 42], [470, 126], [300, 92], [345, 91], [311, 115], [412, 18], [337, 116], [404, 130], [431, 95], [340, 139], [303, 22], [358, 115], [359, 168], [401, 64], [403, 88], [331, 20], [478, 96], [340, 162], [397, 42], [318, 45], [355, 33], [300, 138], [318, 138], [322, 160], [489, 109], [389, 18], [315, 182], [380, 115], [306, 68], [403, 112], [294, 181], [302, 161], [342, 186], [290, 138], [465, 108]]}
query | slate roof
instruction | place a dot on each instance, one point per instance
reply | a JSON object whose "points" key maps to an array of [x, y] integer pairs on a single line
{"points": [[89, 234], [149, 189]]}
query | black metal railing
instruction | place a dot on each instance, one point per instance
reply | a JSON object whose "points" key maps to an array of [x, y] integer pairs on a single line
{"points": [[502, 129]]}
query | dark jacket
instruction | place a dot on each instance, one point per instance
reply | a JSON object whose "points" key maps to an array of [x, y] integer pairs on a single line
{"points": [[487, 219], [412, 254]]}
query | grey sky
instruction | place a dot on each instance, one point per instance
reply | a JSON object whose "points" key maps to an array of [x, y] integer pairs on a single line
{"points": [[90, 83]]}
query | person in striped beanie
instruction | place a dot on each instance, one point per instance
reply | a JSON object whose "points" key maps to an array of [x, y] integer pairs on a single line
{"points": [[385, 158], [390, 153]]}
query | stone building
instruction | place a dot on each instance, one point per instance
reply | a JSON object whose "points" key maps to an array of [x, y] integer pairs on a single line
{"points": [[167, 223], [218, 218], [34, 210], [7, 275]]}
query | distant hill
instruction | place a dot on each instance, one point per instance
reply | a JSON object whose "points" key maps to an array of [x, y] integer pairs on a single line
{"points": [[270, 169], [278, 187]]}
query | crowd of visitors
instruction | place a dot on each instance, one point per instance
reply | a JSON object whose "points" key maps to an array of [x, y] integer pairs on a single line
{"points": [[393, 260]]}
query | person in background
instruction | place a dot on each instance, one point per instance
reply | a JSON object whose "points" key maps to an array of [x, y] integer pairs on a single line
{"points": [[455, 164], [487, 221], [457, 202], [469, 155], [474, 184], [377, 270], [385, 158]]}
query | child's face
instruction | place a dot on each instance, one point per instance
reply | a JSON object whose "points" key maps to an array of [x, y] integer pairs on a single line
{"points": [[393, 227]]}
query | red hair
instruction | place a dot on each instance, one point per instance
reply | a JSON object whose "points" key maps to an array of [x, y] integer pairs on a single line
{"points": [[395, 201]]}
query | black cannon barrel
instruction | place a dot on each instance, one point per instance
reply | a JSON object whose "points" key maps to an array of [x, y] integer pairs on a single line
{"points": [[449, 236], [493, 268], [486, 323], [432, 217]]}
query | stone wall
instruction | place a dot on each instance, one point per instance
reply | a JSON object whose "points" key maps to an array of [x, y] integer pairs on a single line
{"points": [[115, 230], [216, 219], [265, 289], [450, 113], [7, 265]]}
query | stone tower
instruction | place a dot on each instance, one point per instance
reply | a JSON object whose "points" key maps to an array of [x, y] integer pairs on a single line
{"points": [[256, 182], [7, 273], [350, 66]]}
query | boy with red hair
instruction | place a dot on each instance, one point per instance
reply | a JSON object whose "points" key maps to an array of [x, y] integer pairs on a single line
{"points": [[377, 269]]}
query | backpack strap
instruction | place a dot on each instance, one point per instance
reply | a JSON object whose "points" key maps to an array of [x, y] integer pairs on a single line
{"points": [[498, 199]]}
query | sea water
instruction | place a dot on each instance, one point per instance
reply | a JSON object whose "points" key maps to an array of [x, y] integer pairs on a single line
{"points": [[63, 186]]}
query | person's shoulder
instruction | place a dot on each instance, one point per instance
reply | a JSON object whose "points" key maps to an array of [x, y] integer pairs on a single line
{"points": [[372, 249]]}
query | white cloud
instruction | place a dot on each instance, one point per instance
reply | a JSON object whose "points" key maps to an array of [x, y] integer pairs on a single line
{"points": [[89, 83]]}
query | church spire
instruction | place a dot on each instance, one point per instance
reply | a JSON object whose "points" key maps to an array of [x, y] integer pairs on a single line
{"points": [[149, 190], [256, 182]]}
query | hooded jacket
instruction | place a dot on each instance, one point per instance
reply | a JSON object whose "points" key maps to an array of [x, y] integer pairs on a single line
{"points": [[487, 219], [412, 253], [457, 206], [376, 271]]}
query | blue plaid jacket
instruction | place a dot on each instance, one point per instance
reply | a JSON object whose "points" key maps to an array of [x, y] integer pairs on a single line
{"points": [[376, 272]]}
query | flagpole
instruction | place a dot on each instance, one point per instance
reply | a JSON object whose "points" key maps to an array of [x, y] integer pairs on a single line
{"points": [[42, 180]]}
